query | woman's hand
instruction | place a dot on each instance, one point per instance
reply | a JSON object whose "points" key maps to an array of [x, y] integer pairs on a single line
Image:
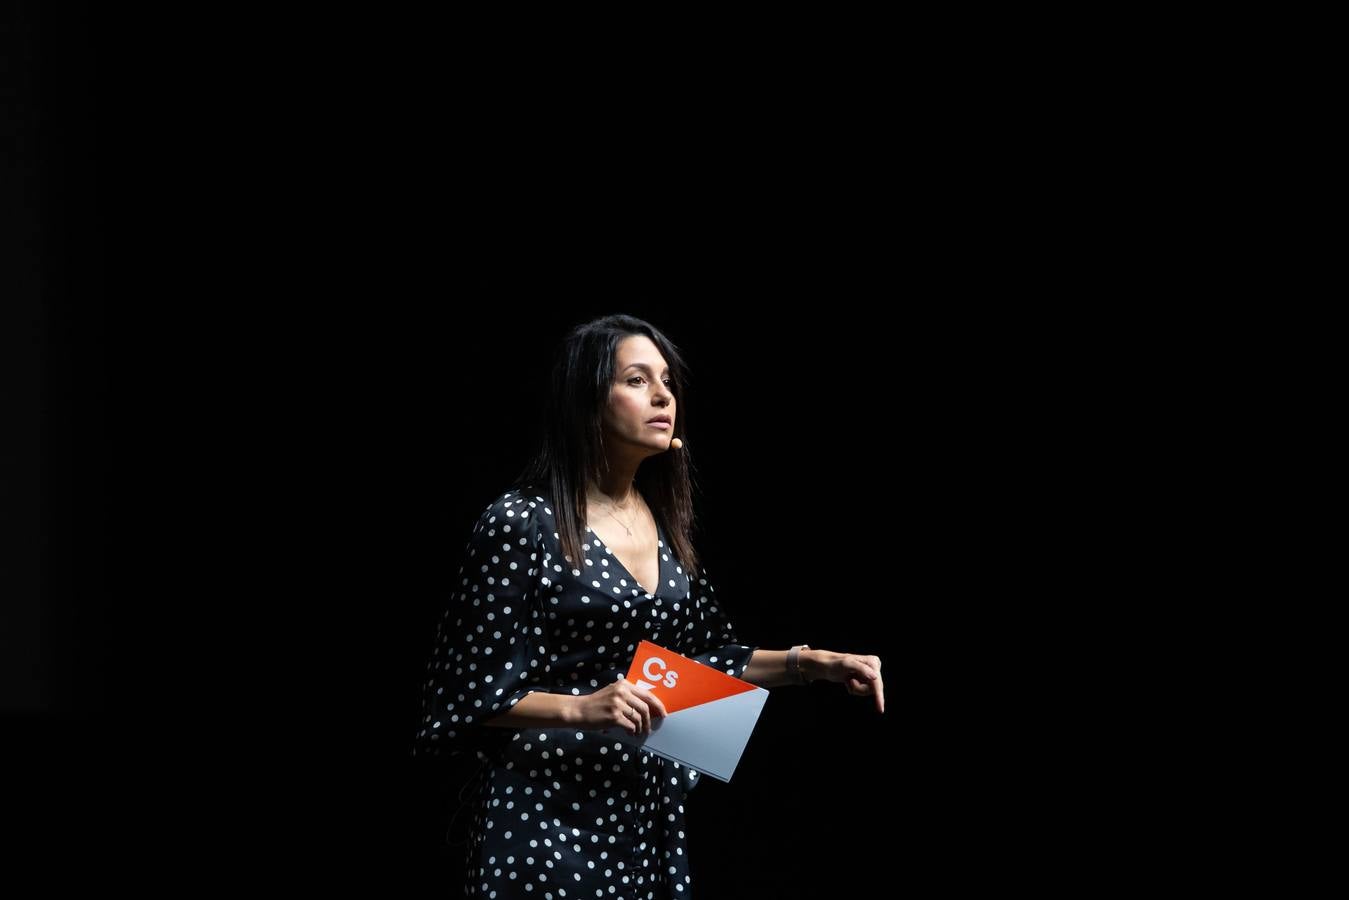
{"points": [[861, 674], [621, 703]]}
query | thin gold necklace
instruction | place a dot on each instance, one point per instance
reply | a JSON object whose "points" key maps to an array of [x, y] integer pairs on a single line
{"points": [[627, 528], [620, 522]]}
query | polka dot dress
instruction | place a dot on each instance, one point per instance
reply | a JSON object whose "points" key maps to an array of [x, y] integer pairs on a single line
{"points": [[564, 813]]}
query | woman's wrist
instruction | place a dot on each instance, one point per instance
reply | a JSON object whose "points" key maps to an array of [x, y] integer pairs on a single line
{"points": [[570, 707], [810, 662]]}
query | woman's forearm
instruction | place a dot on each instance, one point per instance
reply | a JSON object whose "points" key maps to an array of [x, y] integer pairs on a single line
{"points": [[537, 709], [541, 709], [768, 668]]}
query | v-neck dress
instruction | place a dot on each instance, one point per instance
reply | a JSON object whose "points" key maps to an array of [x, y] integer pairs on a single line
{"points": [[560, 812]]}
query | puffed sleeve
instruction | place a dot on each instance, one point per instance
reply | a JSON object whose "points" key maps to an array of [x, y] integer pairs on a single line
{"points": [[714, 638], [489, 650]]}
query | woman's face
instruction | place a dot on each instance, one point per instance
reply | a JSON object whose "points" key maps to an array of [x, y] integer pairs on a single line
{"points": [[642, 390]]}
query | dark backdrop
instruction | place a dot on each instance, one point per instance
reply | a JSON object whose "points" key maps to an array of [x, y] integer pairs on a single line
{"points": [[282, 320]]}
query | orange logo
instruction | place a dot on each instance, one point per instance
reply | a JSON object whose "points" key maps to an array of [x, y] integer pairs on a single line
{"points": [[680, 682]]}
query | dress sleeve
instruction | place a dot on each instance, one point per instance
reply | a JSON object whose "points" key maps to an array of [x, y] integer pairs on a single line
{"points": [[714, 637], [489, 650]]}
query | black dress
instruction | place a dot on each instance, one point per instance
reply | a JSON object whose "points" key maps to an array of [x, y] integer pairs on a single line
{"points": [[564, 813]]}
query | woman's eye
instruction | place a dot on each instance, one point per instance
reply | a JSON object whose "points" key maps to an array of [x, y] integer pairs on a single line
{"points": [[668, 384]]}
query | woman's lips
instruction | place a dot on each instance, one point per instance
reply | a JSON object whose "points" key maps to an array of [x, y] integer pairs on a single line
{"points": [[659, 424]]}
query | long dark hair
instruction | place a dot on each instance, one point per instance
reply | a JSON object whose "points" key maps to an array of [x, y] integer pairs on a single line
{"points": [[571, 451]]}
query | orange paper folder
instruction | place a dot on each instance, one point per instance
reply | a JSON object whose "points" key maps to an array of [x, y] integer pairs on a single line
{"points": [[709, 714]]}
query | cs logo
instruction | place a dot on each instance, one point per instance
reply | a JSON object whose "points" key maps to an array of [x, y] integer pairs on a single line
{"points": [[657, 673]]}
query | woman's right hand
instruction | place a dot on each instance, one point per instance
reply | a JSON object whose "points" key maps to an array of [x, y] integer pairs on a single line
{"points": [[621, 703]]}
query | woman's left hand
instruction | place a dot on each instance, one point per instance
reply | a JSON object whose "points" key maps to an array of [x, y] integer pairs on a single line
{"points": [[861, 674]]}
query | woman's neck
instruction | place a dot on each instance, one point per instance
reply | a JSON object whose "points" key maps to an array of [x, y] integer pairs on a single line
{"points": [[614, 493]]}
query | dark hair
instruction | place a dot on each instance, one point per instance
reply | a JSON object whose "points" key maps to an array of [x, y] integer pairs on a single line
{"points": [[571, 451]]}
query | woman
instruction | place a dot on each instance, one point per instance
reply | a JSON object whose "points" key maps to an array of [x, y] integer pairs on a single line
{"points": [[588, 553]]}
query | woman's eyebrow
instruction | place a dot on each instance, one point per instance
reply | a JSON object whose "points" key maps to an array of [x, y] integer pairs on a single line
{"points": [[665, 371]]}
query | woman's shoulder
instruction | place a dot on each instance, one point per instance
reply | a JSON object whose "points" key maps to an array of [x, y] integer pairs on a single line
{"points": [[519, 503]]}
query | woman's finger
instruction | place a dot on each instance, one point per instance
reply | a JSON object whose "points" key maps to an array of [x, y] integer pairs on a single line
{"points": [[865, 671], [863, 666], [638, 703], [655, 707], [863, 688]]}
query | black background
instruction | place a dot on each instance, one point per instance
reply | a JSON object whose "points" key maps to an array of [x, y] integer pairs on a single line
{"points": [[285, 296]]}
